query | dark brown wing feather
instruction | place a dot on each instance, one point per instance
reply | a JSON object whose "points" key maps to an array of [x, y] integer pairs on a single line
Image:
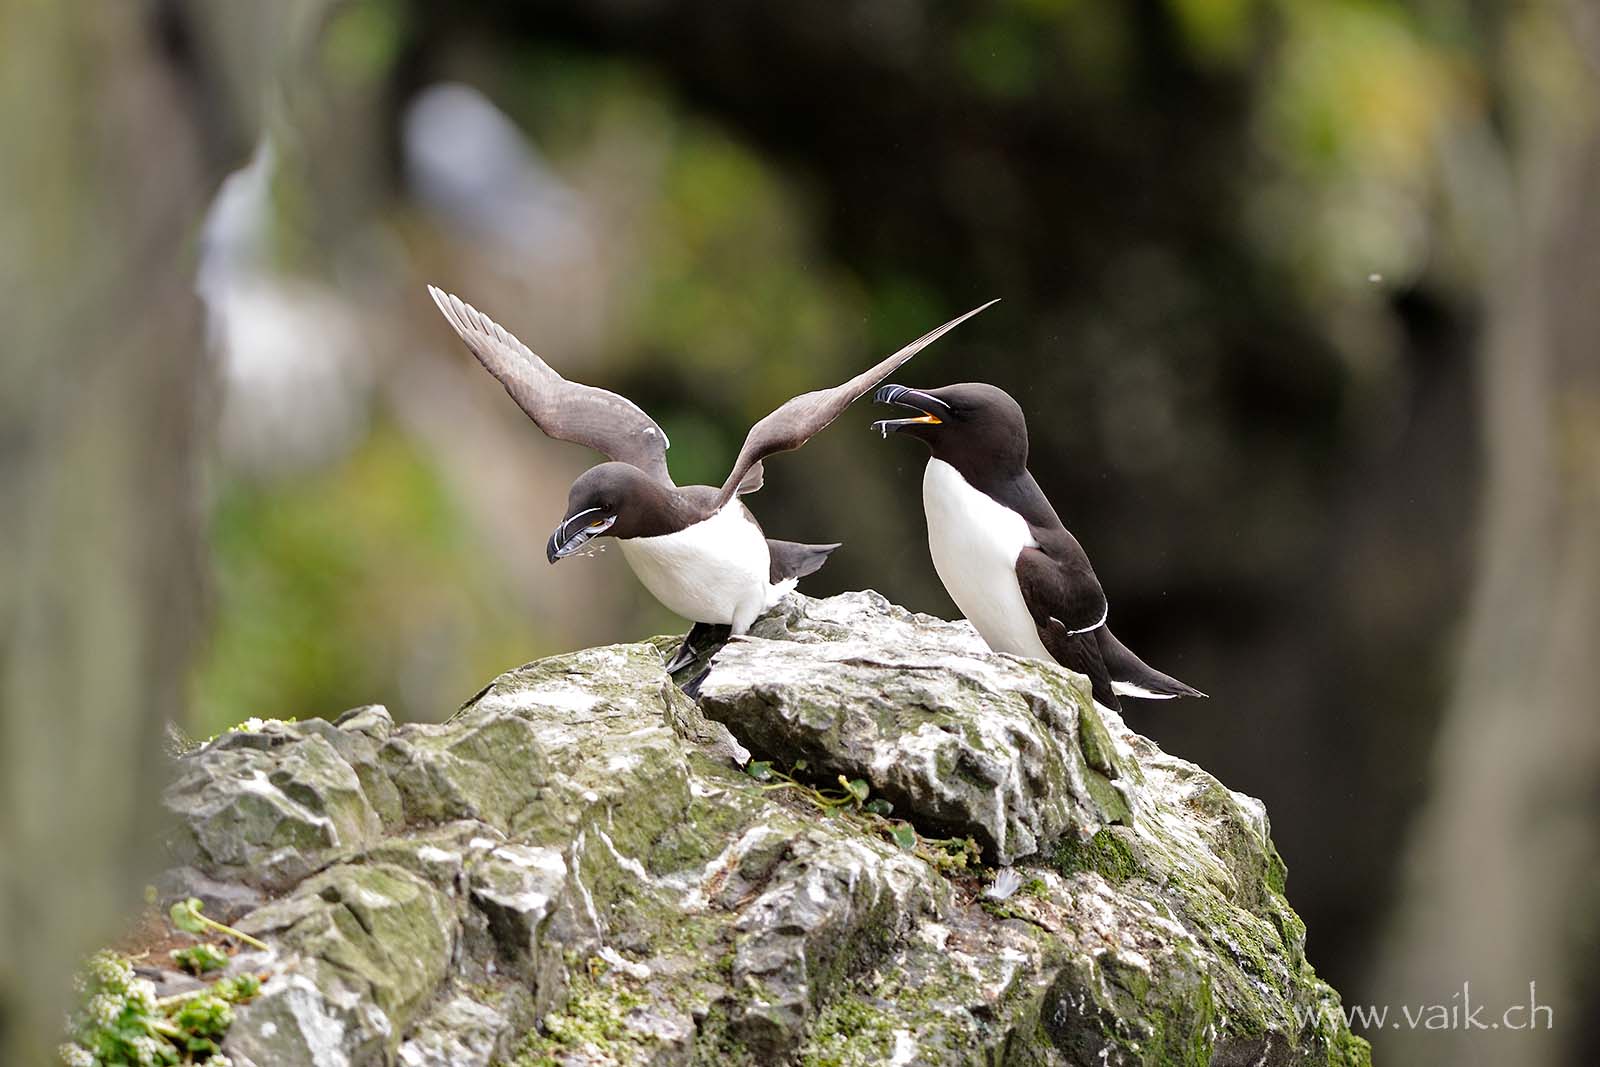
{"points": [[1067, 592], [610, 424], [790, 559], [1068, 607], [1081, 652], [798, 420]]}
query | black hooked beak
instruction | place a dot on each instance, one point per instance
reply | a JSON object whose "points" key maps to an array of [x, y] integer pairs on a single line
{"points": [[916, 400], [565, 541]]}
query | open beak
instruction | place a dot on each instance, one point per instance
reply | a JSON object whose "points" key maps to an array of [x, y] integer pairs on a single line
{"points": [[915, 399], [567, 540]]}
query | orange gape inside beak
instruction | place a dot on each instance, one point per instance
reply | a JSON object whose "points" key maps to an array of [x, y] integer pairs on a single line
{"points": [[932, 420]]}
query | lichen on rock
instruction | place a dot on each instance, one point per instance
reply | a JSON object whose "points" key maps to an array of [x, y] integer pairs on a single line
{"points": [[575, 870]]}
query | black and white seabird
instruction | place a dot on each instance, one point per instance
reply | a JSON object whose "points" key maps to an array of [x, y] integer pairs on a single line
{"points": [[1000, 549], [696, 548]]}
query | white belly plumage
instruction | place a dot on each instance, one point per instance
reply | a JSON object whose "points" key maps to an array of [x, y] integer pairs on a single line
{"points": [[715, 571], [975, 541]]}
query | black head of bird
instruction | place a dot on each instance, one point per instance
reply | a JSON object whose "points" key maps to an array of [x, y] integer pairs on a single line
{"points": [[970, 425], [616, 500]]}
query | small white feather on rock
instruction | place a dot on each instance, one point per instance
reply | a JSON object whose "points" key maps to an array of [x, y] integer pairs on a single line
{"points": [[1006, 882]]}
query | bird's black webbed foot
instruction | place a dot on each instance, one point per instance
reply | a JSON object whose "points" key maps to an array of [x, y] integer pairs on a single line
{"points": [[691, 689], [702, 639]]}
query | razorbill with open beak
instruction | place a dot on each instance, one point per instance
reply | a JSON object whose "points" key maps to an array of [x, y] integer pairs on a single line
{"points": [[1001, 551], [696, 548]]}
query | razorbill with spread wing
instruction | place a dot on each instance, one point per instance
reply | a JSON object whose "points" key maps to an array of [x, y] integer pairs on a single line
{"points": [[696, 548], [1005, 558]]}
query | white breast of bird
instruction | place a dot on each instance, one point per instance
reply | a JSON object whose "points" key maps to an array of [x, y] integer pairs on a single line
{"points": [[715, 571], [974, 541]]}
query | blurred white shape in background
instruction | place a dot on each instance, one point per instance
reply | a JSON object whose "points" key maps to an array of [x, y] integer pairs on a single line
{"points": [[296, 379], [235, 230], [470, 164]]}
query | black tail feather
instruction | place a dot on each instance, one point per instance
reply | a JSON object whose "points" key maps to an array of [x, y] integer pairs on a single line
{"points": [[1079, 652], [1134, 673], [790, 559]]}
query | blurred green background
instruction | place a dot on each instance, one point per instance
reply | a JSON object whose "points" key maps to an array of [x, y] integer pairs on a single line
{"points": [[1301, 298]]}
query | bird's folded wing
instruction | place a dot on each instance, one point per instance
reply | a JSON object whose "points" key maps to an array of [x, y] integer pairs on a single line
{"points": [[797, 420], [1068, 606], [610, 424], [1065, 591]]}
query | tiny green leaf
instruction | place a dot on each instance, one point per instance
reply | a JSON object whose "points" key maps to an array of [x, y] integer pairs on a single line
{"points": [[760, 770], [186, 916], [239, 988], [904, 836], [879, 806], [799, 765], [857, 788], [198, 959]]}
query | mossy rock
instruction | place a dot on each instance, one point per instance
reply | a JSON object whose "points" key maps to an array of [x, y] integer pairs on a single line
{"points": [[574, 869]]}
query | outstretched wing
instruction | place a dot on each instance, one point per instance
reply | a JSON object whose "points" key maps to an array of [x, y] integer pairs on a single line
{"points": [[610, 424], [796, 421]]}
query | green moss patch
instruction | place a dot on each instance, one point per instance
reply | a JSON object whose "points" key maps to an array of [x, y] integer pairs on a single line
{"points": [[1106, 853]]}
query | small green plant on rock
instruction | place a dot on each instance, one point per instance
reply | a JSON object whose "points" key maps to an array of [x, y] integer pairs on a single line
{"points": [[186, 916], [853, 799], [198, 959], [252, 725], [122, 1023]]}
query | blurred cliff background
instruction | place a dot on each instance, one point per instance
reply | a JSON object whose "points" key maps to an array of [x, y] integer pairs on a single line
{"points": [[1302, 300]]}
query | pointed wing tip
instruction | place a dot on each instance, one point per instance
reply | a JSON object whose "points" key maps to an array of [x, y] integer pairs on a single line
{"points": [[467, 320], [891, 364], [985, 306], [452, 307]]}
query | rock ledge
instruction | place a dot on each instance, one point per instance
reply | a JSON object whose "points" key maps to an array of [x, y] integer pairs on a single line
{"points": [[574, 870]]}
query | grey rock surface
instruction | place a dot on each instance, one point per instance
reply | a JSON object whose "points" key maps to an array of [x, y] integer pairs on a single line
{"points": [[866, 689], [575, 870]]}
